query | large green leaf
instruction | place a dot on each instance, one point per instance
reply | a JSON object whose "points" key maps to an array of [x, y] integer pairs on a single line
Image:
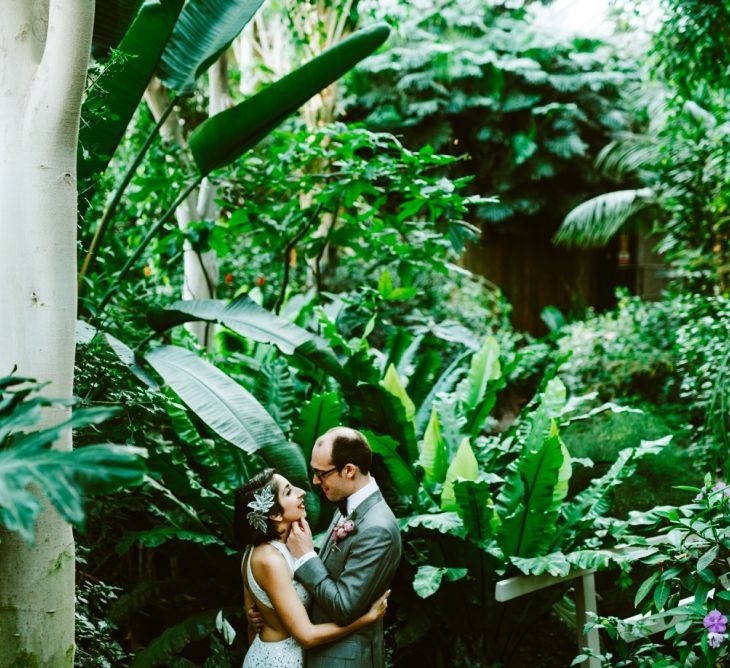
{"points": [[318, 415], [448, 523], [114, 98], [63, 476], [478, 391], [428, 579], [433, 452], [445, 383], [401, 473], [463, 465], [228, 409], [111, 20], [527, 530], [373, 407], [475, 507], [245, 317], [227, 135], [392, 383], [205, 29]]}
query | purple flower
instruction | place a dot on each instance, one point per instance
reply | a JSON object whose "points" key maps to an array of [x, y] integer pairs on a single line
{"points": [[715, 622], [714, 640]]}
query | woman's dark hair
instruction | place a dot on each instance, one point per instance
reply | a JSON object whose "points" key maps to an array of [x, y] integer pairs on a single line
{"points": [[243, 531]]}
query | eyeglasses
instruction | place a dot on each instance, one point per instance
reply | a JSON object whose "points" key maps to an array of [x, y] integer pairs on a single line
{"points": [[321, 475]]}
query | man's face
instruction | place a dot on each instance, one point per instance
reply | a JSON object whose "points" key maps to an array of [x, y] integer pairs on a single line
{"points": [[334, 485]]}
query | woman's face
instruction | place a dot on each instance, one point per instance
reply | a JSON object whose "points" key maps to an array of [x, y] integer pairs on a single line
{"points": [[291, 500]]}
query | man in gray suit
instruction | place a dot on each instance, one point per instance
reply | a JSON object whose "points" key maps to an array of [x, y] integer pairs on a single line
{"points": [[360, 554]]}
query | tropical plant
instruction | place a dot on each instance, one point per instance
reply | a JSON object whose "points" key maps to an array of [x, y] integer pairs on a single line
{"points": [[688, 588], [28, 464]]}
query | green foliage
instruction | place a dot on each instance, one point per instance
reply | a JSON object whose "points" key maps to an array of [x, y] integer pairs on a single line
{"points": [[689, 580], [529, 107], [26, 459]]}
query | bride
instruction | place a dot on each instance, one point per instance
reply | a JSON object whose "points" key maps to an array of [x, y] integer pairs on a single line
{"points": [[265, 509]]}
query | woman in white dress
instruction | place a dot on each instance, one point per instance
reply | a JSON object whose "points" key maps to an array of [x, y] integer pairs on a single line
{"points": [[265, 509]]}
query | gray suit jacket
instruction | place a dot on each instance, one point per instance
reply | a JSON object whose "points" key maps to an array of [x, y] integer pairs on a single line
{"points": [[345, 580]]}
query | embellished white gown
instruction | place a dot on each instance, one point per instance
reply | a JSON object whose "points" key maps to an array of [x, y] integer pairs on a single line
{"points": [[287, 653]]}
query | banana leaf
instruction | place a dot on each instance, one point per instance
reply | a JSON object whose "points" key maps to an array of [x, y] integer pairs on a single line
{"points": [[205, 29], [111, 20], [115, 96], [228, 409], [221, 139], [245, 317]]}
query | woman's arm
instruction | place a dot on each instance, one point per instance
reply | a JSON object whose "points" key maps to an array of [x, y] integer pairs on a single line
{"points": [[275, 578]]}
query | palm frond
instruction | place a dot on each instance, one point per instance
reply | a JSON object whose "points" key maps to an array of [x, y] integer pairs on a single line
{"points": [[628, 154], [595, 222]]}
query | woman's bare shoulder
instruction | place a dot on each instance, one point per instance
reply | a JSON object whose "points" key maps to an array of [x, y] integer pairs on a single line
{"points": [[267, 558]]}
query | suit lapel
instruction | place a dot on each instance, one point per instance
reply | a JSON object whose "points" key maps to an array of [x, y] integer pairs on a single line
{"points": [[356, 514], [328, 541]]}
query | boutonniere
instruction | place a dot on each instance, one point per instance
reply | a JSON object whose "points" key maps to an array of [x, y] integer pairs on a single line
{"points": [[342, 530]]}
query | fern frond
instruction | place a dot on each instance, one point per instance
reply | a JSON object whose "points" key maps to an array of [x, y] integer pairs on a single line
{"points": [[596, 221]]}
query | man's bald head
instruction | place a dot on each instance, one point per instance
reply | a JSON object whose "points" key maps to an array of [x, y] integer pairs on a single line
{"points": [[349, 446]]}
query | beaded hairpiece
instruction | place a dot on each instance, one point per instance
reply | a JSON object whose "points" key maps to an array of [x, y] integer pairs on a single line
{"points": [[262, 502]]}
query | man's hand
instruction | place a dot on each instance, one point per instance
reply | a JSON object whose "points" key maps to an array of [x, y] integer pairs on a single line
{"points": [[300, 539], [255, 619]]}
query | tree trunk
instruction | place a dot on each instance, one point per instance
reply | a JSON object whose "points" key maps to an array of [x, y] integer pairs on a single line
{"points": [[44, 52]]}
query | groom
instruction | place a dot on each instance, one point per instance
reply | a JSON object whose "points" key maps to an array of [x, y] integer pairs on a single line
{"points": [[360, 554]]}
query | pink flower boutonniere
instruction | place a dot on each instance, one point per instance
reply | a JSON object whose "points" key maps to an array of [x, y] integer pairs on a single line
{"points": [[342, 530]]}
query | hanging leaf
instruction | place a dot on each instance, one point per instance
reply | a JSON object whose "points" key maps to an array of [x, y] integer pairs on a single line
{"points": [[115, 96], [204, 31], [227, 135], [464, 465], [245, 317], [228, 409]]}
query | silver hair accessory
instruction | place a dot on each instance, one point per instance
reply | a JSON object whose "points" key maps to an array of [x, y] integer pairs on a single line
{"points": [[262, 502]]}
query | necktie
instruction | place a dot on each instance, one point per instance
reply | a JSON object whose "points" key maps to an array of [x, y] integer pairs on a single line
{"points": [[342, 506]]}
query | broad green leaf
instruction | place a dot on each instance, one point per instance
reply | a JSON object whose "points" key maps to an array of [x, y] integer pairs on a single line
{"points": [[484, 367], [116, 94], [554, 564], [205, 29], [445, 523], [111, 20], [228, 409], [475, 507], [227, 135], [392, 383], [401, 473], [645, 587], [707, 558], [375, 408], [433, 452], [527, 530], [428, 579], [464, 465], [247, 318], [445, 383], [318, 415], [161, 535], [63, 477]]}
